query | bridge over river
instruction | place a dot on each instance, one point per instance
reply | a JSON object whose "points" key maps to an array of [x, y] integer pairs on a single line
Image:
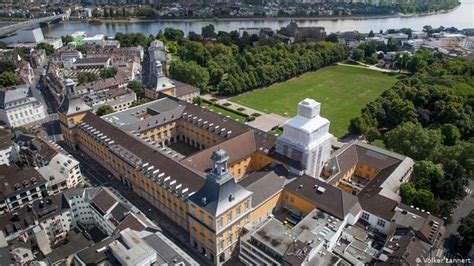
{"points": [[38, 22]]}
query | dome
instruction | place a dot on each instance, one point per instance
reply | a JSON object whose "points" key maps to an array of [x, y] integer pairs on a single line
{"points": [[219, 155]]}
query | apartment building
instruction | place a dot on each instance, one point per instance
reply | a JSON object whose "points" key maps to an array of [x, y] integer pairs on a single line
{"points": [[19, 107]]}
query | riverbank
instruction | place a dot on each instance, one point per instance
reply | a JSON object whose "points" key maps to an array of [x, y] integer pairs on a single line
{"points": [[227, 19]]}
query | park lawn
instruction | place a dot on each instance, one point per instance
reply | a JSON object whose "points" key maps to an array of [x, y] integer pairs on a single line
{"points": [[342, 90]]}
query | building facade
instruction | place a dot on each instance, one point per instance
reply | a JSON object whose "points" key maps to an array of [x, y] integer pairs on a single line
{"points": [[18, 107]]}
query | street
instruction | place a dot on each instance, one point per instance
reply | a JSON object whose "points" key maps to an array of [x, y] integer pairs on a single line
{"points": [[463, 209]]}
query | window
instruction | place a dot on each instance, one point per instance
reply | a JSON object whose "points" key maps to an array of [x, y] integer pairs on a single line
{"points": [[229, 216], [365, 216], [238, 211], [219, 223], [381, 223], [247, 205]]}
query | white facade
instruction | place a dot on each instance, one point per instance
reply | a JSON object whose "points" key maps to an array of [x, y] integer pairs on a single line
{"points": [[380, 224], [62, 172], [6, 155], [80, 207], [98, 39], [19, 107], [306, 138]]}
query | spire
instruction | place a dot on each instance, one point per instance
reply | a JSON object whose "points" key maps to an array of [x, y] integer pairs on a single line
{"points": [[219, 171], [70, 86]]}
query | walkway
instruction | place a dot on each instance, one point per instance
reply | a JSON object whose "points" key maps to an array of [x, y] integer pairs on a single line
{"points": [[371, 67], [264, 122]]}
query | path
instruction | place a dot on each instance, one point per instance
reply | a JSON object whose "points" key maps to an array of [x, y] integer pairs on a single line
{"points": [[371, 67]]}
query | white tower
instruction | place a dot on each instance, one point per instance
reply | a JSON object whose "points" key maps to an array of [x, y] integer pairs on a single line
{"points": [[306, 138]]}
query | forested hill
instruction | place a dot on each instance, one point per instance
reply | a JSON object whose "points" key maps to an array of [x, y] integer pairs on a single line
{"points": [[428, 117]]}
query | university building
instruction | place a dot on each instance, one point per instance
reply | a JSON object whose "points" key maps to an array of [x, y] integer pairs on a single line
{"points": [[230, 185]]}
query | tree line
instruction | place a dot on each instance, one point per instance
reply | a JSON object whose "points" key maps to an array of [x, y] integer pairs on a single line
{"points": [[231, 64], [428, 117]]}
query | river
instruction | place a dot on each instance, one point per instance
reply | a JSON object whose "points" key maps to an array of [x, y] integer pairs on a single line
{"points": [[461, 17]]}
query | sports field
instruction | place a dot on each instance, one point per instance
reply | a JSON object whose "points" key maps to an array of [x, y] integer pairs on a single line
{"points": [[342, 90]]}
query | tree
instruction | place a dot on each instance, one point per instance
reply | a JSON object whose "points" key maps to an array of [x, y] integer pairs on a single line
{"points": [[414, 141], [48, 48], [451, 134], [371, 34], [139, 102], [420, 198], [466, 231], [208, 32], [197, 100], [400, 61], [85, 77], [332, 38], [105, 110], [172, 34], [428, 175], [137, 87], [3, 45], [8, 78], [415, 64], [191, 73], [357, 54], [7, 65], [67, 39], [108, 72]]}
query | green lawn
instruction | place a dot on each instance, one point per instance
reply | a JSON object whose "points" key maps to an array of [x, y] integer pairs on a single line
{"points": [[342, 90], [224, 112]]}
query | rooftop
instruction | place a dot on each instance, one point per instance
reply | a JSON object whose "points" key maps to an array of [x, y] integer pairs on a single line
{"points": [[15, 180]]}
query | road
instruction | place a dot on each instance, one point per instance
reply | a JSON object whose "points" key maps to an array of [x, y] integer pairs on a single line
{"points": [[99, 176], [463, 209]]}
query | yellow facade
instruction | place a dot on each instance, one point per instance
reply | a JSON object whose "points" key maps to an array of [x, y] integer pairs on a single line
{"points": [[297, 203], [261, 212], [365, 171]]}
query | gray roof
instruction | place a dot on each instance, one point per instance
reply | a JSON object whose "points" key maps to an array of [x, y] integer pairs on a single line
{"points": [[326, 197], [167, 250], [266, 183], [159, 112], [73, 105], [218, 196], [16, 96]]}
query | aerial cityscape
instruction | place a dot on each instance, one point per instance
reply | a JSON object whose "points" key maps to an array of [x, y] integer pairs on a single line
{"points": [[248, 132]]}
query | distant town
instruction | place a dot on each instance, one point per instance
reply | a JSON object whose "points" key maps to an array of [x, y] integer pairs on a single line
{"points": [[225, 9], [256, 146]]}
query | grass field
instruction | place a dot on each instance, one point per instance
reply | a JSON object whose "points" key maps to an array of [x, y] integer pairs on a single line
{"points": [[224, 112], [342, 90]]}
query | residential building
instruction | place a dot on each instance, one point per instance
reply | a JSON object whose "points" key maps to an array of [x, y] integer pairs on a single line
{"points": [[134, 247], [20, 187], [96, 62], [6, 146], [18, 106], [46, 220], [105, 209], [62, 172]]}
